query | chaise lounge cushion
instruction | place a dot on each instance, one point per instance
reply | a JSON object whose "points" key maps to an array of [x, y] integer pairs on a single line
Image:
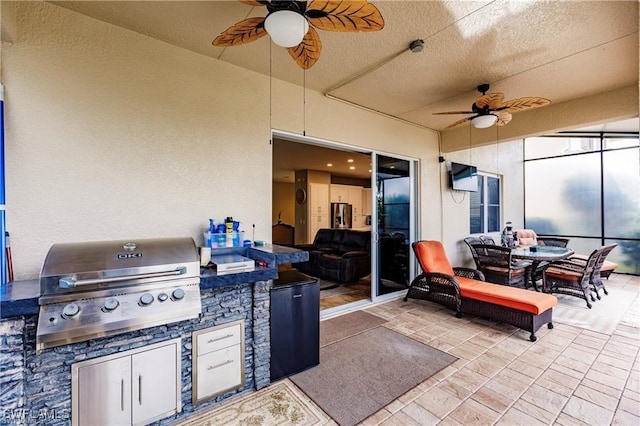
{"points": [[510, 297]]}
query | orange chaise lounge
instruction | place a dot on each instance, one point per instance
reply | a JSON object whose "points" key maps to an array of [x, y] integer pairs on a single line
{"points": [[465, 291]]}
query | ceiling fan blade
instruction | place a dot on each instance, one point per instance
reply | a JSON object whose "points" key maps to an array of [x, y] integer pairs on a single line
{"points": [[503, 118], [524, 103], [255, 2], [307, 53], [344, 15], [453, 112], [490, 101], [458, 122], [241, 33]]}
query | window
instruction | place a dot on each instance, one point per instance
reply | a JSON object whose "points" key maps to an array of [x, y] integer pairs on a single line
{"points": [[484, 205], [584, 186]]}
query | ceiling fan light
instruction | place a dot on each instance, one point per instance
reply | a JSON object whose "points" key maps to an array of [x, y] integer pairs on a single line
{"points": [[484, 121], [286, 28]]}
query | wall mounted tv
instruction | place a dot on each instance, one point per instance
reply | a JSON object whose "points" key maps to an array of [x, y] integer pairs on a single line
{"points": [[464, 177]]}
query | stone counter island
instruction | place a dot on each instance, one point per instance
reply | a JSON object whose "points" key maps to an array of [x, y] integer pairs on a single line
{"points": [[37, 388]]}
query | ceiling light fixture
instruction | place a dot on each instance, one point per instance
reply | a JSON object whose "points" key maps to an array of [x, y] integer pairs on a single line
{"points": [[286, 27], [329, 164], [484, 121], [352, 167], [350, 160]]}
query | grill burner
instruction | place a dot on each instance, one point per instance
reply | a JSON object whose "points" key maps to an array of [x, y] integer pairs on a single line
{"points": [[97, 289]]}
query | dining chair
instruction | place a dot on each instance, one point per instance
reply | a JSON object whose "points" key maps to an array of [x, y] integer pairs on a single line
{"points": [[499, 267], [596, 276], [470, 241], [572, 278], [553, 241]]}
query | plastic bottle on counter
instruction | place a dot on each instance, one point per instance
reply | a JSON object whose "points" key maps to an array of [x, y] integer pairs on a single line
{"points": [[229, 223]]}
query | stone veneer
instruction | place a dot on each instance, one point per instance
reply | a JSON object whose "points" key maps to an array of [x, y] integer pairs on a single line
{"points": [[36, 389]]}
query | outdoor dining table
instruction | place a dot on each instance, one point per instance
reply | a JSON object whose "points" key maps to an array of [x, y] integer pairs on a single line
{"points": [[540, 254]]}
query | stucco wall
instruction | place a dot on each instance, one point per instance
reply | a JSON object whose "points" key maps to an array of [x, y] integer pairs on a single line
{"points": [[113, 135]]}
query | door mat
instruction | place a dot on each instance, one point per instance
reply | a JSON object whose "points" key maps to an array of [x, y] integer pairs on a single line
{"points": [[344, 326], [362, 374], [279, 404]]}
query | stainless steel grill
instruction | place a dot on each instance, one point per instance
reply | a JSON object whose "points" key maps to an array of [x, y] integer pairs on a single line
{"points": [[96, 289]]}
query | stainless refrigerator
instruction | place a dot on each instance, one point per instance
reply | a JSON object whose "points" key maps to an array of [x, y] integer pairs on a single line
{"points": [[340, 215]]}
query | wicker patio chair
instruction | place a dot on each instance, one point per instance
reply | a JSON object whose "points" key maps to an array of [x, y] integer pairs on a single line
{"points": [[571, 277], [439, 287], [596, 276], [470, 241], [487, 239], [553, 241], [498, 266]]}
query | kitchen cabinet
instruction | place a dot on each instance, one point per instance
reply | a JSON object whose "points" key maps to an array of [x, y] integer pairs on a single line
{"points": [[134, 387], [295, 324], [218, 360], [366, 202], [355, 199], [318, 213], [339, 193]]}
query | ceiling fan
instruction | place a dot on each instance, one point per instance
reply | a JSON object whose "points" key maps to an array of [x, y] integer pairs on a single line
{"points": [[489, 109], [291, 24]]}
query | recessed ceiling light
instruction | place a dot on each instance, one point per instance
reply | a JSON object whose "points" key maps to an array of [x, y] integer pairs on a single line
{"points": [[369, 170], [392, 167], [329, 165], [352, 167], [350, 160]]}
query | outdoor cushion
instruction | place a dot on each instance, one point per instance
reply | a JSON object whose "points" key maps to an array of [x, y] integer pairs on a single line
{"points": [[527, 237], [432, 257], [522, 300]]}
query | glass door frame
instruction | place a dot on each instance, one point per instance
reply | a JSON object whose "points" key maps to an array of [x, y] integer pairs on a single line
{"points": [[414, 211], [413, 222]]}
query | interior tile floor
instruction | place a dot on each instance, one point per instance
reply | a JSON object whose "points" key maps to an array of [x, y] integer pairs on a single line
{"points": [[584, 371]]}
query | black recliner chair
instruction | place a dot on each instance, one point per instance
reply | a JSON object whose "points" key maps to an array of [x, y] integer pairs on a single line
{"points": [[341, 255]]}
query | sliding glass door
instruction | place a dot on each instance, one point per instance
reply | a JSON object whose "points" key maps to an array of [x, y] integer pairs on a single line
{"points": [[394, 224]]}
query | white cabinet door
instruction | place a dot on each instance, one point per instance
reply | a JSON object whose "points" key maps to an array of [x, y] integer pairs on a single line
{"points": [[339, 194], [318, 209], [104, 393], [366, 201], [355, 199], [318, 199], [154, 382], [315, 223]]}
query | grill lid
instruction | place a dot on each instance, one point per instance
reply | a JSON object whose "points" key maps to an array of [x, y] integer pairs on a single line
{"points": [[71, 267]]}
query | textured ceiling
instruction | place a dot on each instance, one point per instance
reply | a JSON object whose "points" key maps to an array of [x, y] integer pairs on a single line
{"points": [[560, 50]]}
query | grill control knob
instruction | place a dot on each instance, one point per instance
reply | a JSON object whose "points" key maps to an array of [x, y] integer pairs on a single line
{"points": [[71, 310], [162, 297], [146, 299], [177, 294], [110, 304]]}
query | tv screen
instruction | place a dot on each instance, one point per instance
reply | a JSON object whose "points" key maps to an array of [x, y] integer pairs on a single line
{"points": [[464, 177]]}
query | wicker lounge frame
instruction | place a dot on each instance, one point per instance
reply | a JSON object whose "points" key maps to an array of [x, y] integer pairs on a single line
{"points": [[444, 290]]}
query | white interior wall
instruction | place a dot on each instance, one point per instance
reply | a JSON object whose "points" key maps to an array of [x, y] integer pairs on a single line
{"points": [[113, 135]]}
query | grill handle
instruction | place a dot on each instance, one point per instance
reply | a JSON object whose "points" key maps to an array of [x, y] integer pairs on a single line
{"points": [[70, 282]]}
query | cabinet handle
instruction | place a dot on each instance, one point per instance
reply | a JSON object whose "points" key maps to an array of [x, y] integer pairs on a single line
{"points": [[121, 394], [219, 338], [140, 389], [213, 367], [297, 296]]}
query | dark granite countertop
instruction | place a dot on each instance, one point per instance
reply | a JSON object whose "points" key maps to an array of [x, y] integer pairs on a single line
{"points": [[21, 297]]}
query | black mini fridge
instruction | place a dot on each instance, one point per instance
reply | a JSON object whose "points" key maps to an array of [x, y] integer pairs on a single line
{"points": [[295, 324]]}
